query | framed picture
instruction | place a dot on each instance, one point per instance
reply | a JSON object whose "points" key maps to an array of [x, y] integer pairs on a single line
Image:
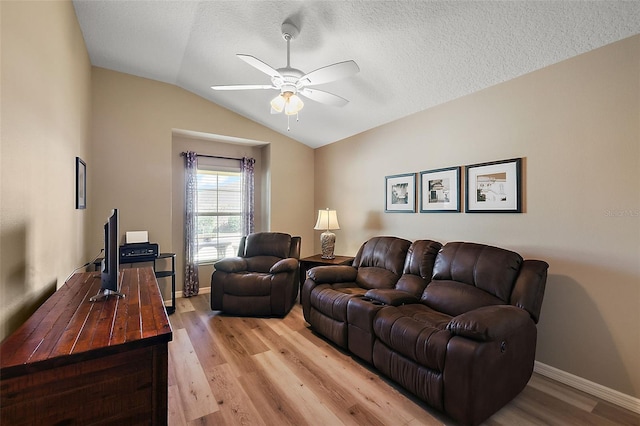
{"points": [[400, 193], [81, 184], [440, 190], [494, 187]]}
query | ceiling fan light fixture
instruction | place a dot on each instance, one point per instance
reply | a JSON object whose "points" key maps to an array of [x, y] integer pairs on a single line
{"points": [[292, 81], [288, 102], [294, 105]]}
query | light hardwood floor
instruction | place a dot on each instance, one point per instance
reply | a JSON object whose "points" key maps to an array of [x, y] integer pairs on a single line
{"points": [[268, 371]]}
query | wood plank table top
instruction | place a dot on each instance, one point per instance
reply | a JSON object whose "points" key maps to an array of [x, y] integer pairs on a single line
{"points": [[68, 328]]}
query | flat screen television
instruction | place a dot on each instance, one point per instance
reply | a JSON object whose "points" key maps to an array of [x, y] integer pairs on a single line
{"points": [[111, 262]]}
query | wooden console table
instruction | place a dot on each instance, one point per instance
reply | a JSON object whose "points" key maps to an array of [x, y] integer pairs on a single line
{"points": [[78, 362]]}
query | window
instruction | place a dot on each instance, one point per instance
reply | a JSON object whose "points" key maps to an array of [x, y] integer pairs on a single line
{"points": [[219, 212]]}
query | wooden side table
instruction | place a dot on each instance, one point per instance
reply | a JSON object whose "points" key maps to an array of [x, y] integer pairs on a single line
{"points": [[317, 260]]}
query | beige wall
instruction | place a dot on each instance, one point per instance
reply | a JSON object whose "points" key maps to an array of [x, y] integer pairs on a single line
{"points": [[577, 126], [133, 157], [44, 125]]}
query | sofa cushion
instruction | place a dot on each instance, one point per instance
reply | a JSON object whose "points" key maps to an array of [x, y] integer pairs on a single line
{"points": [[331, 300], [274, 244], [249, 284], [488, 268], [455, 298], [418, 266], [415, 331], [380, 262], [391, 296], [261, 263]]}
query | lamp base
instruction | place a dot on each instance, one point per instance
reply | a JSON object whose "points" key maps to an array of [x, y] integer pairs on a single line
{"points": [[328, 243]]}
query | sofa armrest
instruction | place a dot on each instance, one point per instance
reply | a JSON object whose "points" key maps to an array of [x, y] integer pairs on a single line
{"points": [[391, 296], [488, 323], [231, 264], [333, 274], [285, 265], [528, 290]]}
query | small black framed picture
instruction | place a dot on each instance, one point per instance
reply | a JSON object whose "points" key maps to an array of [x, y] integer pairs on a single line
{"points": [[81, 184], [400, 193], [440, 190], [494, 187]]}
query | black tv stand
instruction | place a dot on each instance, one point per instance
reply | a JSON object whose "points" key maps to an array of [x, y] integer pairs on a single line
{"points": [[104, 294]]}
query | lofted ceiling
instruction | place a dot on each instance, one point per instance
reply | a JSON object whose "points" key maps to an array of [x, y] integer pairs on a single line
{"points": [[412, 55]]}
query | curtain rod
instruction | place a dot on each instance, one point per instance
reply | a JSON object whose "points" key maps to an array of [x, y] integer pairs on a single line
{"points": [[182, 154]]}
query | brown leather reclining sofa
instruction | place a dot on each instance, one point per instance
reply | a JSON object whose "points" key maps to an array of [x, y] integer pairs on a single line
{"points": [[454, 324]]}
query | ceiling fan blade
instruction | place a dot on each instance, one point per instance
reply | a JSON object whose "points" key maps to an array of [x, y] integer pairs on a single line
{"points": [[258, 64], [323, 97], [330, 73], [244, 87]]}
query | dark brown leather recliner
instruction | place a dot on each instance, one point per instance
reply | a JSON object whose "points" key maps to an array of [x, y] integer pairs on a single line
{"points": [[262, 280]]}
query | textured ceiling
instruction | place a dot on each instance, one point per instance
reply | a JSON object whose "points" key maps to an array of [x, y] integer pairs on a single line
{"points": [[412, 55]]}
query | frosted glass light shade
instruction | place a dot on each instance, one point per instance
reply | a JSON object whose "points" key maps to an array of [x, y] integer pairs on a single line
{"points": [[327, 219], [294, 105], [278, 103]]}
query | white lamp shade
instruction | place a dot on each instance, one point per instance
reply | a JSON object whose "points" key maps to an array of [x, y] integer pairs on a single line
{"points": [[327, 219]]}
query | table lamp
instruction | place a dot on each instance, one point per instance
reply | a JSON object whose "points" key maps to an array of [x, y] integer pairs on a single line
{"points": [[327, 220]]}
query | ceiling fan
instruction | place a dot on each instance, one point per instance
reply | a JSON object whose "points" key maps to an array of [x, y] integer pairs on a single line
{"points": [[292, 82]]}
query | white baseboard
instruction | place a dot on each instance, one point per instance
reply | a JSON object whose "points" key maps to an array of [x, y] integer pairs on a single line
{"points": [[607, 394], [203, 290]]}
